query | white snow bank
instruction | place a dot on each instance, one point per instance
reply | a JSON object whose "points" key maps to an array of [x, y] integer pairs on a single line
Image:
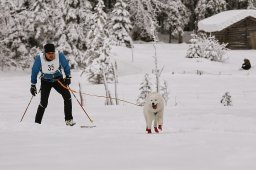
{"points": [[224, 19]]}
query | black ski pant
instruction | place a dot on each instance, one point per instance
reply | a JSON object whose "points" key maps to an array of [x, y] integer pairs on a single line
{"points": [[46, 87]]}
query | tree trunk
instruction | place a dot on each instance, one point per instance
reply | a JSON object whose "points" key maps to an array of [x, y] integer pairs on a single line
{"points": [[180, 38], [170, 35], [108, 96], [156, 71], [116, 94]]}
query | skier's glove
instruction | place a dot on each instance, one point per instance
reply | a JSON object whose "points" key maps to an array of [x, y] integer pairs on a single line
{"points": [[33, 90], [67, 81]]}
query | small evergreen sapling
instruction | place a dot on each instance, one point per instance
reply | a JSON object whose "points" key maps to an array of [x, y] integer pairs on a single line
{"points": [[145, 89], [194, 50], [226, 99], [164, 92]]}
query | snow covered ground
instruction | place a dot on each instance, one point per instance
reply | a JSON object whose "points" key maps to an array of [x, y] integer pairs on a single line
{"points": [[199, 133]]}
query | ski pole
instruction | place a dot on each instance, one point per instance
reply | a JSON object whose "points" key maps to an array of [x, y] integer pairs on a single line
{"points": [[26, 108], [82, 107]]}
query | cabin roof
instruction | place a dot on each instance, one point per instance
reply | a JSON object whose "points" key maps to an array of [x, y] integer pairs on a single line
{"points": [[224, 19]]}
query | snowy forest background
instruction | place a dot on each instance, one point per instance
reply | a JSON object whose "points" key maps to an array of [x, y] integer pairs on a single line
{"points": [[85, 29]]}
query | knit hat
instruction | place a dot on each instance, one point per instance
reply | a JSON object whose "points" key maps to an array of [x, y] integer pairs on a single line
{"points": [[49, 48]]}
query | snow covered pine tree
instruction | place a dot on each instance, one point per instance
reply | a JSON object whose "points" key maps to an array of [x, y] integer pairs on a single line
{"points": [[207, 8], [30, 24], [121, 25], [71, 28], [178, 17], [98, 58], [143, 14]]}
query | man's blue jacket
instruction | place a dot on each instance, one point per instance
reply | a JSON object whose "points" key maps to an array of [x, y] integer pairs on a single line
{"points": [[37, 66]]}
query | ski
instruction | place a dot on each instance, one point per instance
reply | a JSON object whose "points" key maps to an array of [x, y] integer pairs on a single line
{"points": [[85, 126]]}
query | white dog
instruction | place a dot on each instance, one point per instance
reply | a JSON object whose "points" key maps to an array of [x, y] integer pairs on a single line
{"points": [[153, 111]]}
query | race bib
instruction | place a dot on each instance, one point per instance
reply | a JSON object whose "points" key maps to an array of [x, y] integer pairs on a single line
{"points": [[50, 67]]}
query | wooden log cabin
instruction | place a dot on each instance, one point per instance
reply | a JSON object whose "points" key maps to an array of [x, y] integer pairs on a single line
{"points": [[235, 27]]}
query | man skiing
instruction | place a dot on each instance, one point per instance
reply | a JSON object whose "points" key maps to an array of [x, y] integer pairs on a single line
{"points": [[50, 64]]}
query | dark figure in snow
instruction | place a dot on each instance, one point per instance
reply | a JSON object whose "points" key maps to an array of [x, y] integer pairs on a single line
{"points": [[246, 65], [50, 63]]}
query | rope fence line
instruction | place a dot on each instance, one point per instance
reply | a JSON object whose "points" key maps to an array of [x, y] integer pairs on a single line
{"points": [[74, 91]]}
